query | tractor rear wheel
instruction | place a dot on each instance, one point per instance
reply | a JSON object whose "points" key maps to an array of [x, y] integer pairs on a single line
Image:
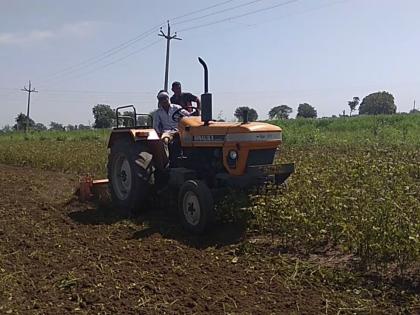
{"points": [[130, 174], [196, 206]]}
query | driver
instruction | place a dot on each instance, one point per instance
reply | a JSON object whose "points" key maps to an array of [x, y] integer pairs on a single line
{"points": [[184, 98], [164, 123]]}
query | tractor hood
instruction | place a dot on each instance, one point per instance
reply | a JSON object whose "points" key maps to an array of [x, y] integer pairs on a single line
{"points": [[192, 129]]}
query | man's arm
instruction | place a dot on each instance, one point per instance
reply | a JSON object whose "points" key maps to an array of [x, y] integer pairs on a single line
{"points": [[156, 122], [192, 98], [183, 112], [197, 100]]}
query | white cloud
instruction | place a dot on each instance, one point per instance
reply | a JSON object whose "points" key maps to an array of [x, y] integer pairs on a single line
{"points": [[33, 36], [81, 29], [76, 30]]}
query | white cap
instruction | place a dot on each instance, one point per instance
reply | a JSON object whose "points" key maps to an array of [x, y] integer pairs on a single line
{"points": [[163, 94]]}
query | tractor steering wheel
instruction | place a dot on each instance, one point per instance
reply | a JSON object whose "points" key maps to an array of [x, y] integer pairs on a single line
{"points": [[177, 115]]}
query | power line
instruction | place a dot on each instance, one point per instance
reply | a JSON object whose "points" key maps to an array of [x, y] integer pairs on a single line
{"points": [[218, 12], [203, 25], [113, 62], [293, 14], [238, 16], [94, 92], [112, 51], [106, 54], [303, 11], [201, 10], [191, 28]]}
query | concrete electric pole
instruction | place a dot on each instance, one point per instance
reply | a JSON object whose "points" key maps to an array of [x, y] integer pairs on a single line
{"points": [[168, 37], [29, 91]]}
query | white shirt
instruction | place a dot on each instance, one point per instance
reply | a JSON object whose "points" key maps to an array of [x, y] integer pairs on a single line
{"points": [[162, 120]]}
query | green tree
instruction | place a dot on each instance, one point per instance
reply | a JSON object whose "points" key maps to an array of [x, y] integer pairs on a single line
{"points": [[306, 111], [378, 103], [7, 129], [144, 120], [280, 112], [414, 111], [40, 127], [83, 127], [128, 120], [353, 104], [21, 122], [55, 126], [252, 113], [104, 116], [71, 127]]}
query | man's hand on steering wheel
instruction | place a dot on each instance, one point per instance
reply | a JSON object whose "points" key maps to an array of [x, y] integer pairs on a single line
{"points": [[183, 111]]}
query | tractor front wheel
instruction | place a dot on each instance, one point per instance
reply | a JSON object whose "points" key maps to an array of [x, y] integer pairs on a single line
{"points": [[196, 206]]}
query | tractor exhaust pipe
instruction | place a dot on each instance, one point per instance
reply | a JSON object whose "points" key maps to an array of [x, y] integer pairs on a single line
{"points": [[206, 101], [206, 75]]}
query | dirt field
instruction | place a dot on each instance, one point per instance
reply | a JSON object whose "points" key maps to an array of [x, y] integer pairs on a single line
{"points": [[58, 256]]}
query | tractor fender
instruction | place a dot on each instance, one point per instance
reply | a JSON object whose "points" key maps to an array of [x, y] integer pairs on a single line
{"points": [[132, 135]]}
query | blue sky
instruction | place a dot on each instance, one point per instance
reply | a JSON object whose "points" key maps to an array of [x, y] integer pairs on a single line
{"points": [[317, 51]]}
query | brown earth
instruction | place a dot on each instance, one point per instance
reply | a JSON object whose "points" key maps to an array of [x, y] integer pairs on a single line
{"points": [[58, 256]]}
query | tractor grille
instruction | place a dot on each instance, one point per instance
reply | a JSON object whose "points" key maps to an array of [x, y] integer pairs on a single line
{"points": [[261, 157]]}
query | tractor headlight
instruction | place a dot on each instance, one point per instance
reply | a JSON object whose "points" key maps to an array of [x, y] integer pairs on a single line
{"points": [[233, 155]]}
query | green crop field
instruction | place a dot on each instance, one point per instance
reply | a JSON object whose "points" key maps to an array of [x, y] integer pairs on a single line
{"points": [[356, 188]]}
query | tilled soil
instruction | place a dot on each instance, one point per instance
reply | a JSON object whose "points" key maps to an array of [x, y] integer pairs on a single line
{"points": [[58, 256]]}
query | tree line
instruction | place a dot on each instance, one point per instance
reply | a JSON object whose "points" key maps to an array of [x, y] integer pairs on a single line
{"points": [[378, 103], [21, 121], [105, 117]]}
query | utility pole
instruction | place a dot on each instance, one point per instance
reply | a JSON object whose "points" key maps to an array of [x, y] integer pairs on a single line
{"points": [[29, 91], [414, 106], [168, 37]]}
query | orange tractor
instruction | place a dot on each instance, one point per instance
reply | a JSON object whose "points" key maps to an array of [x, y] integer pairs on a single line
{"points": [[212, 157]]}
